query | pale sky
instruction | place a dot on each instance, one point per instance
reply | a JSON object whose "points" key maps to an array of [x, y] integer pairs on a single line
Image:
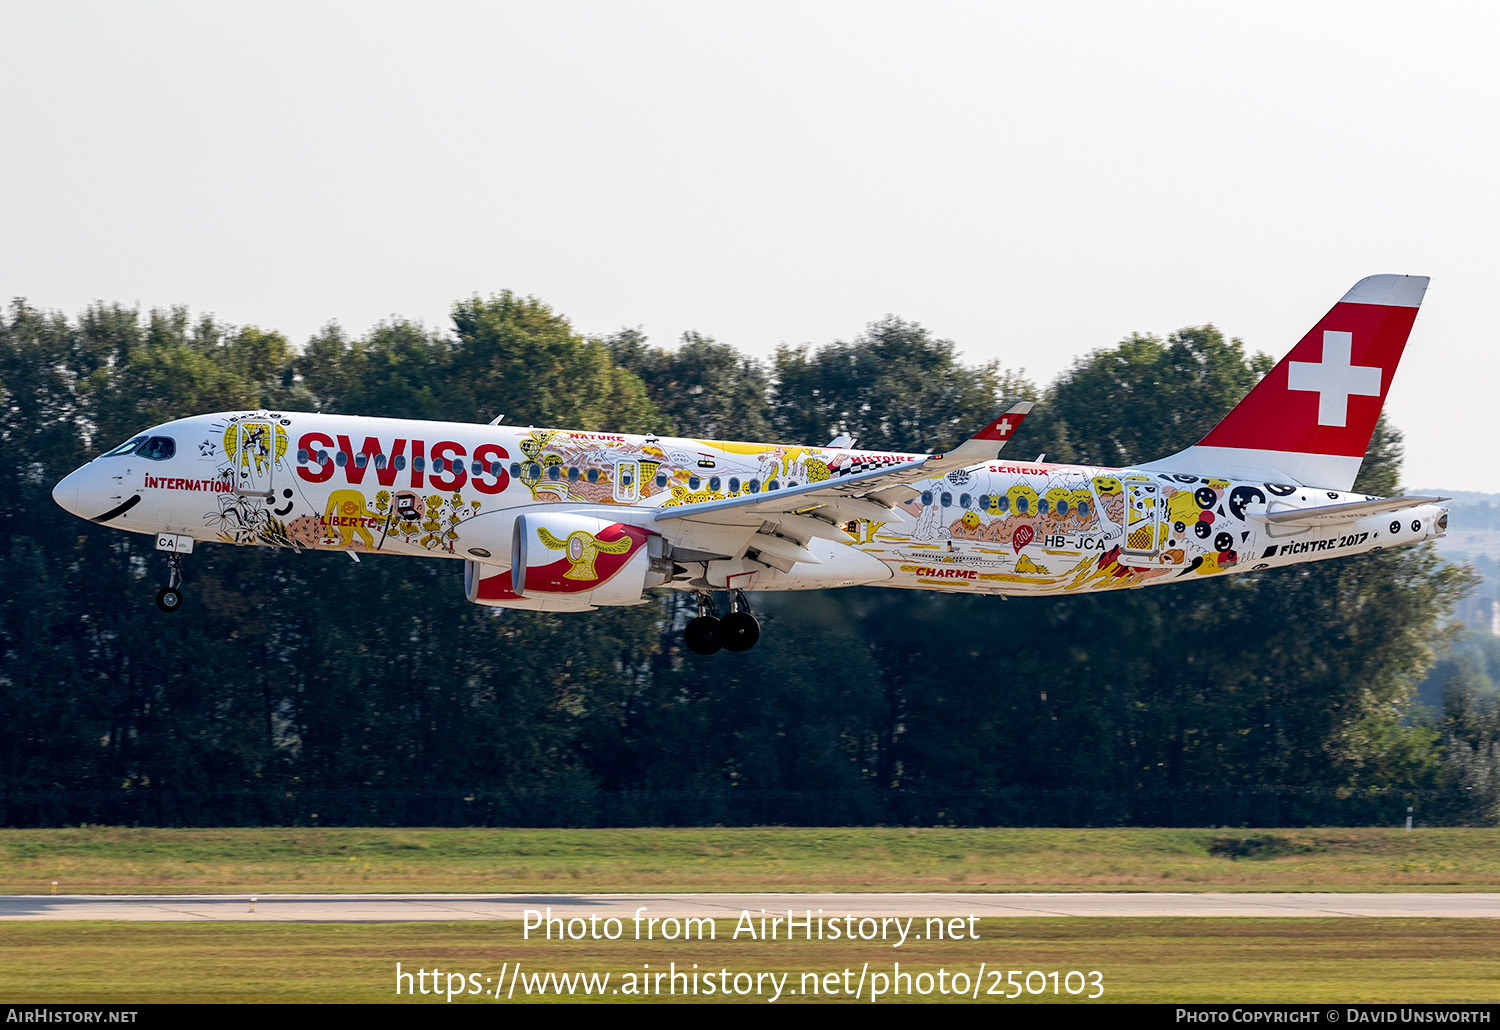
{"points": [[1030, 180]]}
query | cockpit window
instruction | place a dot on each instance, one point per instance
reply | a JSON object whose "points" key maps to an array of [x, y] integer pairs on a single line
{"points": [[158, 448], [125, 448]]}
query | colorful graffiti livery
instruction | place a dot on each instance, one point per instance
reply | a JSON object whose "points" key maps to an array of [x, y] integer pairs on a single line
{"points": [[567, 520]]}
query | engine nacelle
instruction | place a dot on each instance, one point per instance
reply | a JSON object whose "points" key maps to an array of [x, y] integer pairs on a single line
{"points": [[563, 561]]}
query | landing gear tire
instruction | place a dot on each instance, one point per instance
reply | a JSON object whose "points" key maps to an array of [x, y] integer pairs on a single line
{"points": [[739, 631], [169, 598], [702, 635]]}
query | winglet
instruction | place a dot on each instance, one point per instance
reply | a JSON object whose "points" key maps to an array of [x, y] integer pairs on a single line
{"points": [[1002, 428], [984, 445]]}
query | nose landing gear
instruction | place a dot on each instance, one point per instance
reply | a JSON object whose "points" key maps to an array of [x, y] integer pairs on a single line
{"points": [[737, 631], [169, 597]]}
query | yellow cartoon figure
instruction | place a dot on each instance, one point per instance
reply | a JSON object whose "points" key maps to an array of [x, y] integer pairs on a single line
{"points": [[1027, 565], [1183, 507], [582, 548], [971, 520], [1060, 502], [1082, 504], [1023, 500], [347, 517]]}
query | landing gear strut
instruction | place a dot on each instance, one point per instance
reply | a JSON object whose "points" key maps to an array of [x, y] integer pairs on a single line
{"points": [[702, 633], [737, 631], [169, 598]]}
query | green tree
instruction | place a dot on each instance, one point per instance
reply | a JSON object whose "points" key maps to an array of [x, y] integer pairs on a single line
{"points": [[894, 387], [707, 389]]}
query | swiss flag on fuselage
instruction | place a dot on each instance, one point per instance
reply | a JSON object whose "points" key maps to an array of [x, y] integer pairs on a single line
{"points": [[1324, 396]]}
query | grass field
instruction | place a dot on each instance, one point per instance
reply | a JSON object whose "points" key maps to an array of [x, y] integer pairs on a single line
{"points": [[1140, 960], [116, 860]]}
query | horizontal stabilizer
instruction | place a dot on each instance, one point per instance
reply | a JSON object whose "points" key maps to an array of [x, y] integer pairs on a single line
{"points": [[1333, 514]]}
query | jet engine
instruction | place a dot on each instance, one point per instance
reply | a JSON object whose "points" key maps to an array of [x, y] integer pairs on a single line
{"points": [[564, 561]]}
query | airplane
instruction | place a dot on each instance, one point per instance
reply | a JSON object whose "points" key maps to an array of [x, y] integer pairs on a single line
{"points": [[559, 520]]}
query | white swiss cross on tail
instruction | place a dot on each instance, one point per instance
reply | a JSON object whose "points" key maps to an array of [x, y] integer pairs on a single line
{"points": [[1335, 378], [1005, 425], [1310, 420]]}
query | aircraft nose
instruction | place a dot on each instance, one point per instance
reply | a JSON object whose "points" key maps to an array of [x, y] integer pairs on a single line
{"points": [[65, 493]]}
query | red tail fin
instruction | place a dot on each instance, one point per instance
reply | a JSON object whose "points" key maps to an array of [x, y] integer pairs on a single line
{"points": [[1310, 420]]}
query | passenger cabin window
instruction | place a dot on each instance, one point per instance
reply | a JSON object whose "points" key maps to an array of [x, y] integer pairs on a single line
{"points": [[964, 500], [302, 455], [661, 479], [361, 460], [341, 459], [418, 463], [128, 447], [158, 448], [947, 499], [399, 461]]}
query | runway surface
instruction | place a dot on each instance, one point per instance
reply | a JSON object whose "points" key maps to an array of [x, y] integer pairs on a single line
{"points": [[373, 908]]}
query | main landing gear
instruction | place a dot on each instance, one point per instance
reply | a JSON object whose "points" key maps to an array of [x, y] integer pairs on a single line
{"points": [[737, 631], [169, 597]]}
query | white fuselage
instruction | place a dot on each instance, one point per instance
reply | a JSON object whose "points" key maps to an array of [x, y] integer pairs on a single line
{"points": [[455, 490]]}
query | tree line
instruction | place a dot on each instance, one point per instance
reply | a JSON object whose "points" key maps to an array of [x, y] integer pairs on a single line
{"points": [[302, 687]]}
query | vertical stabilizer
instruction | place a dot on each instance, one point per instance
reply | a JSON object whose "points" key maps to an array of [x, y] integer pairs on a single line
{"points": [[1310, 420]]}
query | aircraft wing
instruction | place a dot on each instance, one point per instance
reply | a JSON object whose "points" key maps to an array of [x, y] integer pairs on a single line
{"points": [[796, 514], [1333, 514]]}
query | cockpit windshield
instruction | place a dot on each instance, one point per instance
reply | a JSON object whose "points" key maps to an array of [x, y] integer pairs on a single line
{"points": [[125, 448], [158, 448]]}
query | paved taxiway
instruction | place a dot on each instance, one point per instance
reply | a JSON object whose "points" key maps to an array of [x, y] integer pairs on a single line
{"points": [[457, 907]]}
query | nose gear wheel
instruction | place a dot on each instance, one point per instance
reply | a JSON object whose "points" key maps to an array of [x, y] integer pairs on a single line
{"points": [[169, 597]]}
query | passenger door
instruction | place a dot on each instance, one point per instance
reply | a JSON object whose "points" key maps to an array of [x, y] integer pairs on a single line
{"points": [[252, 448]]}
